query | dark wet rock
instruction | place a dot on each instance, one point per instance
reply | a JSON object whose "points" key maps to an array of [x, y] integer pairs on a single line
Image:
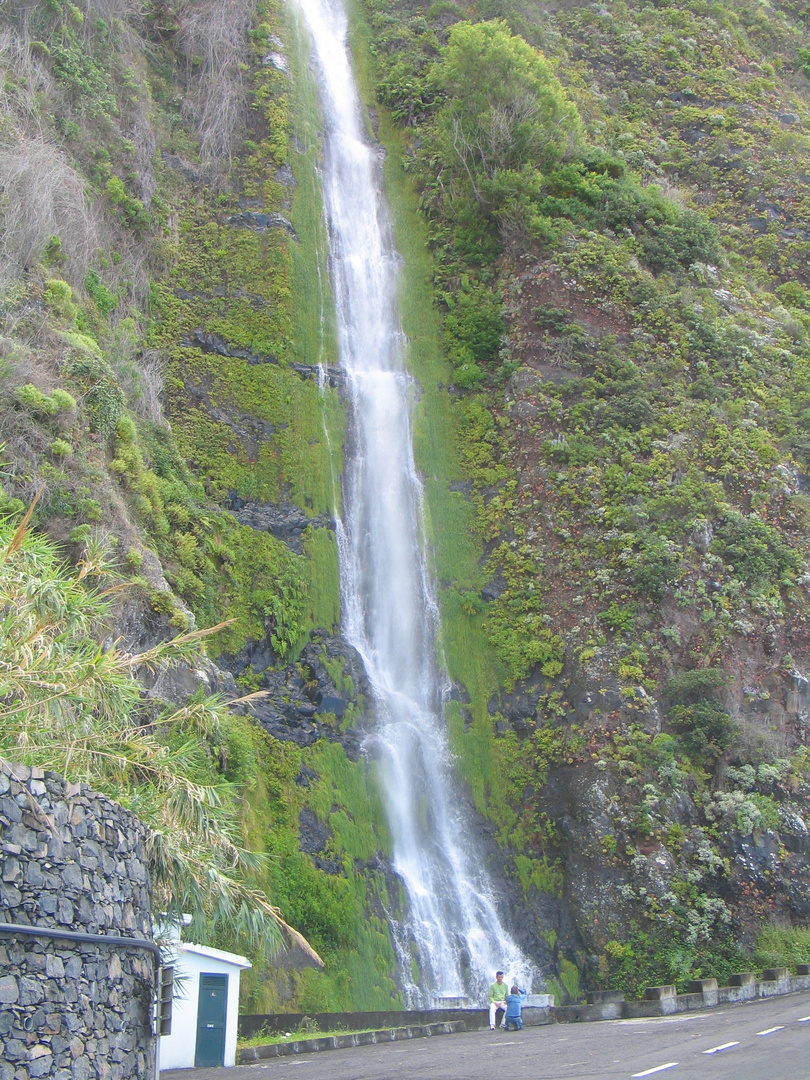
{"points": [[181, 681], [518, 706], [757, 854], [313, 838], [211, 343], [458, 693], [523, 381], [191, 172], [276, 60], [524, 410], [261, 222], [284, 520], [251, 431], [494, 589], [304, 703], [702, 536], [305, 776], [284, 175], [220, 292]]}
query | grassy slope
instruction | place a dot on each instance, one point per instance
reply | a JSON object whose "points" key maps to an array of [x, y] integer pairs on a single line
{"points": [[166, 269]]}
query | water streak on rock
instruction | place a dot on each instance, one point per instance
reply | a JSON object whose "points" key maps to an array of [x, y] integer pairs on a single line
{"points": [[453, 929]]}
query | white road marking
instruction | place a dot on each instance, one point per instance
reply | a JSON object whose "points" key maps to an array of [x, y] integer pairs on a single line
{"points": [[803, 1019], [717, 1049], [770, 1031], [658, 1068]]}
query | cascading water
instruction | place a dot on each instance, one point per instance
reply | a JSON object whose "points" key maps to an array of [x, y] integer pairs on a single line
{"points": [[453, 929]]}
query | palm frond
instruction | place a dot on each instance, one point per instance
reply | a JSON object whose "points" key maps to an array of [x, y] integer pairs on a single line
{"points": [[70, 705]]}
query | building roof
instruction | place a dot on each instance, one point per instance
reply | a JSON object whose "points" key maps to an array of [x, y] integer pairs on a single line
{"points": [[214, 954]]}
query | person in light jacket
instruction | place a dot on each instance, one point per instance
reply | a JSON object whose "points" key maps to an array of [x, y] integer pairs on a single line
{"points": [[514, 1003], [497, 994]]}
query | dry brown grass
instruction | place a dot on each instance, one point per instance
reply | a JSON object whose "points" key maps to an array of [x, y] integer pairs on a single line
{"points": [[41, 196], [26, 88], [151, 367], [213, 38]]}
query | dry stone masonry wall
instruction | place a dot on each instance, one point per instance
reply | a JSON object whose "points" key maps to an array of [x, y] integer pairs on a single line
{"points": [[72, 860]]}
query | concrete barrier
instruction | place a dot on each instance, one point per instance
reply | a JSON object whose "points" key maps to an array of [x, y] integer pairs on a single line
{"points": [[743, 978], [605, 997], [707, 988], [665, 996], [774, 981], [775, 974], [278, 1023], [601, 1005], [533, 1017]]}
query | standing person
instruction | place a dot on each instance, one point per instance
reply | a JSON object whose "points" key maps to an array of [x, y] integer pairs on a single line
{"points": [[497, 997], [514, 1003]]}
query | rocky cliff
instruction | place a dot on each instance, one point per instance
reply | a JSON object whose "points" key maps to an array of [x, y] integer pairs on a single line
{"points": [[602, 214]]}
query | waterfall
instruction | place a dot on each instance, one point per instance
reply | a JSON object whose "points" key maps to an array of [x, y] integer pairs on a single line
{"points": [[452, 929]]}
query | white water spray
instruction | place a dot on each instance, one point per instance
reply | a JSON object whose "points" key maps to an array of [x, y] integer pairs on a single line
{"points": [[453, 929]]}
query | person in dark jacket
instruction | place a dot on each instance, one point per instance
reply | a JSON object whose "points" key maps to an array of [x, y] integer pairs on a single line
{"points": [[514, 1003]]}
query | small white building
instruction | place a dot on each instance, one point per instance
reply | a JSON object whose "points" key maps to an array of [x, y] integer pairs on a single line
{"points": [[205, 1009]]}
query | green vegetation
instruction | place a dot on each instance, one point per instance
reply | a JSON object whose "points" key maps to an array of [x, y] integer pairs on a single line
{"points": [[782, 946], [74, 707], [148, 293], [607, 304], [623, 302]]}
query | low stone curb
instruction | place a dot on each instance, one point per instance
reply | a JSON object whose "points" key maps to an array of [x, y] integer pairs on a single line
{"points": [[341, 1042]]}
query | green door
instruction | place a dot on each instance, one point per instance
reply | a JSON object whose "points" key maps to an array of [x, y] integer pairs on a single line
{"points": [[211, 1021]]}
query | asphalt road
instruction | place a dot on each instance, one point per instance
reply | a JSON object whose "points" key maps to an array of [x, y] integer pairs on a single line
{"points": [[762, 1040]]}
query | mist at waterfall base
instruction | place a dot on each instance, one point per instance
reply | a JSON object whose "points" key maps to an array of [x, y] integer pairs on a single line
{"points": [[452, 940]]}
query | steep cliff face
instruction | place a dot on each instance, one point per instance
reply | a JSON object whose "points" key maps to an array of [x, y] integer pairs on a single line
{"points": [[608, 306], [631, 422], [165, 310]]}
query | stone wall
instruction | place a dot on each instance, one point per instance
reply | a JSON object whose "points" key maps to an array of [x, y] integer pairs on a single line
{"points": [[72, 860]]}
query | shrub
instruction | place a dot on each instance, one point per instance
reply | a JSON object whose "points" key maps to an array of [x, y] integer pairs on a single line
{"points": [[133, 560], [473, 329], [618, 618], [60, 448], [105, 300], [704, 730], [694, 685], [33, 399], [755, 549], [504, 108], [103, 397], [48, 200], [63, 401], [782, 946], [58, 296]]}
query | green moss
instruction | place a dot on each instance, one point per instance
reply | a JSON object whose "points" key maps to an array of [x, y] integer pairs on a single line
{"points": [[323, 593], [347, 796]]}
